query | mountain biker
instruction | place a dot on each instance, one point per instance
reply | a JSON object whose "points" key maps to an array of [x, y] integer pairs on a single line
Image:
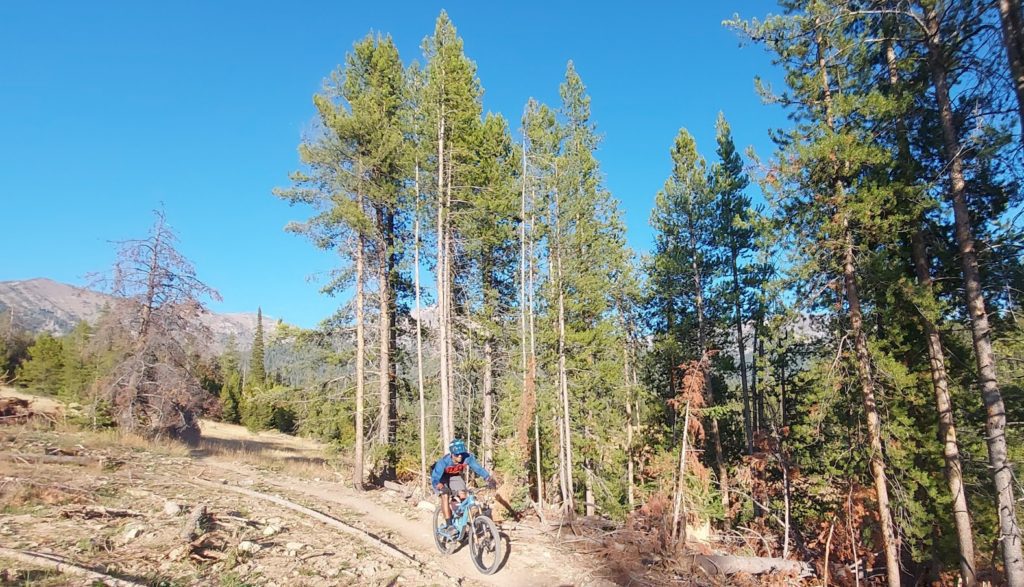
{"points": [[446, 476]]}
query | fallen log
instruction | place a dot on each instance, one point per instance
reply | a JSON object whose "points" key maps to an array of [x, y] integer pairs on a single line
{"points": [[96, 511], [59, 459], [61, 565], [719, 565], [195, 525]]}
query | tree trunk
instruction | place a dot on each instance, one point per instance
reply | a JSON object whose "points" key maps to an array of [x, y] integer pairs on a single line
{"points": [[937, 363], [449, 315], [947, 427], [442, 339], [867, 384], [629, 429], [357, 464], [531, 364], [419, 340], [677, 509], [488, 385], [1013, 40], [995, 421], [536, 459], [588, 466], [384, 327], [747, 424], [716, 437], [563, 380]]}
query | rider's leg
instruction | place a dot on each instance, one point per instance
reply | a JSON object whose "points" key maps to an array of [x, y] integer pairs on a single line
{"points": [[446, 506], [457, 485]]}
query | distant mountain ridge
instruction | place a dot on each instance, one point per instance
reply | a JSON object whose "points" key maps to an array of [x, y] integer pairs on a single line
{"points": [[43, 305]]}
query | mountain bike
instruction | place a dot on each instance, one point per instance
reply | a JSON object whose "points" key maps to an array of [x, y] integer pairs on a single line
{"points": [[471, 518]]}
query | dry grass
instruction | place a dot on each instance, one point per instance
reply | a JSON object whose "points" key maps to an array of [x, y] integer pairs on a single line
{"points": [[269, 457], [298, 457], [20, 496], [113, 438]]}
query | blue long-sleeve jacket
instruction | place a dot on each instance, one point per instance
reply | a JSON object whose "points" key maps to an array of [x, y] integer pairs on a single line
{"points": [[447, 466]]}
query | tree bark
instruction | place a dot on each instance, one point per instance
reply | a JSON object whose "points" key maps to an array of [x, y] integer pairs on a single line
{"points": [[747, 424], [441, 278], [1013, 41], [488, 390], [449, 315], [864, 375], [867, 386], [629, 429], [995, 421], [384, 328], [677, 508], [419, 340], [937, 364], [531, 364], [357, 464], [568, 499], [588, 466]]}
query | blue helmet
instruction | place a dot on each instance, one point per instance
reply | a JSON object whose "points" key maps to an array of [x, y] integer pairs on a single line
{"points": [[457, 447]]}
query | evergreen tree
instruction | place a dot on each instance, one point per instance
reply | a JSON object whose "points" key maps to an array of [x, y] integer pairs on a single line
{"points": [[354, 179], [80, 366], [735, 236], [682, 269], [590, 262], [488, 228], [43, 370], [451, 101], [257, 378]]}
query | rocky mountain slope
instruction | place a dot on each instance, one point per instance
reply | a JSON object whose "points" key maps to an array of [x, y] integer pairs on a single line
{"points": [[44, 305]]}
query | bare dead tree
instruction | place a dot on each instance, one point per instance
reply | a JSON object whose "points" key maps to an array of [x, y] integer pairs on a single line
{"points": [[151, 332]]}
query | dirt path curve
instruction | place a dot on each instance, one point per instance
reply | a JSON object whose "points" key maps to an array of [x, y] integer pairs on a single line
{"points": [[408, 528]]}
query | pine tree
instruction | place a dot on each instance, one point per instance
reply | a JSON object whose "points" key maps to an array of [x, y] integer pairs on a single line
{"points": [[995, 422], [488, 228], [356, 174], [80, 366], [42, 371], [451, 100], [590, 261], [736, 236], [684, 266], [257, 378], [829, 195]]}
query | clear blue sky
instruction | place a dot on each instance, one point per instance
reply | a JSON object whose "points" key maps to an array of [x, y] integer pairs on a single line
{"points": [[108, 109]]}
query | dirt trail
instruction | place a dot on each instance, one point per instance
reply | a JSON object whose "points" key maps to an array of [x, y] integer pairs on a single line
{"points": [[251, 541], [385, 514]]}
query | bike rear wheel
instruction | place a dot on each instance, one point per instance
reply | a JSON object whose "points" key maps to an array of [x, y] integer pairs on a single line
{"points": [[485, 545], [444, 543]]}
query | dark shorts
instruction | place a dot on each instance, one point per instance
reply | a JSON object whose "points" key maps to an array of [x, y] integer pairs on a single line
{"points": [[454, 482]]}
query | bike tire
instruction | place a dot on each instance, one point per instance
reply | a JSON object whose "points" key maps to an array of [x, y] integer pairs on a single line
{"points": [[444, 544], [485, 546]]}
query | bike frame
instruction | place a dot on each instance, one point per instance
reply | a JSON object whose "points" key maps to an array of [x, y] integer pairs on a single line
{"points": [[468, 508]]}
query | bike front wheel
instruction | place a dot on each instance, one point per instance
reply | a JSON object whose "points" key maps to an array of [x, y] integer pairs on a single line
{"points": [[444, 543], [485, 545]]}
